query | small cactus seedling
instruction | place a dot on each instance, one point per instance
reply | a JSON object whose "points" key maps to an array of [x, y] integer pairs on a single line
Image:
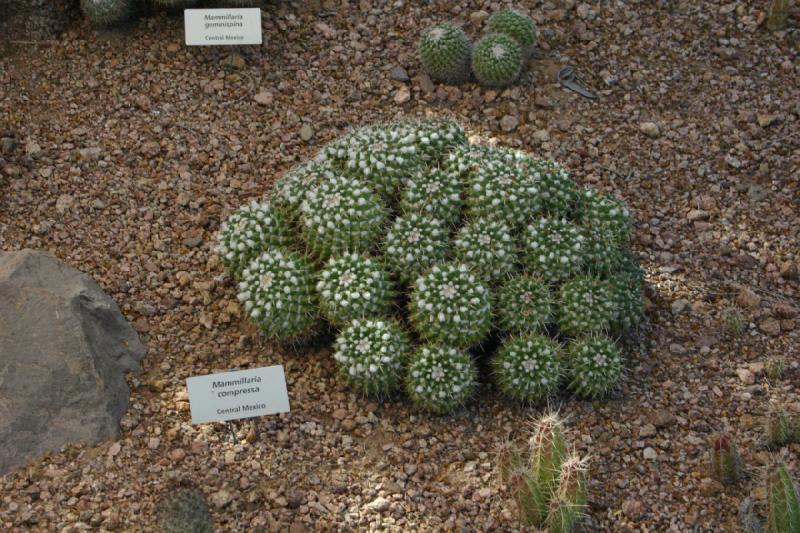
{"points": [[341, 215], [414, 244], [593, 366], [497, 60], [435, 193], [528, 368], [486, 245], [353, 286], [253, 228], [107, 13], [184, 510], [523, 305], [371, 355], [726, 463], [777, 428], [508, 460], [450, 304], [586, 305], [568, 506], [782, 502], [775, 368], [277, 290], [517, 26], [445, 52], [553, 249], [440, 379]]}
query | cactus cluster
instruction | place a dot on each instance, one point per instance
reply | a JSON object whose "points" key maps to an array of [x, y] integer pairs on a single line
{"points": [[496, 60], [549, 487], [726, 463], [184, 510], [406, 235], [107, 13]]}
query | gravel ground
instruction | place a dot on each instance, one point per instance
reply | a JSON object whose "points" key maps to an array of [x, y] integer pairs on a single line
{"points": [[123, 151]]}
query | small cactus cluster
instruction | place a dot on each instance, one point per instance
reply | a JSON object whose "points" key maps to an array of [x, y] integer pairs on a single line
{"points": [[496, 60], [726, 463], [779, 429], [184, 510], [423, 251], [108, 13], [549, 487]]}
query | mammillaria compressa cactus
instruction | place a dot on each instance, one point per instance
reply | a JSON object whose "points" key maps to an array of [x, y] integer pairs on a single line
{"points": [[354, 286], [445, 53], [497, 60], [517, 26], [450, 304], [408, 227], [277, 290], [440, 378], [107, 13], [371, 355]]}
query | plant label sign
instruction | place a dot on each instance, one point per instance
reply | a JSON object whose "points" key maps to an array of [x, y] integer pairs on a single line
{"points": [[209, 27], [238, 394]]}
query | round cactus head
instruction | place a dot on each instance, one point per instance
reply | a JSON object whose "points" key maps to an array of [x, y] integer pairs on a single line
{"points": [[440, 378], [371, 355], [435, 193], [497, 60], [107, 13], [555, 187], [586, 305], [290, 189], [450, 304], [528, 368], [496, 186], [353, 286], [445, 51], [341, 215], [553, 248], [433, 138], [487, 246], [594, 366], [607, 215], [413, 244], [523, 305], [517, 26], [250, 230], [277, 290]]}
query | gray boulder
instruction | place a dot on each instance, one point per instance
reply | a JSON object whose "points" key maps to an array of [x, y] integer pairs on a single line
{"points": [[64, 347]]}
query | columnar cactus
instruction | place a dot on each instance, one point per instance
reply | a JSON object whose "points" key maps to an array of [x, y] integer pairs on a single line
{"points": [[500, 189], [440, 379], [726, 463], [497, 60], [445, 52], [517, 26], [184, 510], [354, 286], [251, 229], [553, 248], [528, 368], [607, 215], [568, 506], [435, 193], [523, 305], [341, 215], [107, 13], [529, 497], [508, 459], [450, 304], [277, 290], [486, 245], [548, 452], [594, 365], [371, 355], [413, 244], [290, 189], [777, 428], [586, 305], [782, 502]]}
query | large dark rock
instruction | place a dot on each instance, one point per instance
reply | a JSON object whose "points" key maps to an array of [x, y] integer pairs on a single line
{"points": [[64, 347]]}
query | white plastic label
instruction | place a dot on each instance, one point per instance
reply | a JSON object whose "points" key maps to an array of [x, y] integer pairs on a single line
{"points": [[238, 394], [209, 27]]}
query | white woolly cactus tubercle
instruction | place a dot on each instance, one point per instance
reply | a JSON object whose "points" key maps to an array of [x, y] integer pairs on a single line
{"points": [[451, 305], [248, 231], [354, 286], [371, 355], [440, 378], [341, 215], [277, 290]]}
